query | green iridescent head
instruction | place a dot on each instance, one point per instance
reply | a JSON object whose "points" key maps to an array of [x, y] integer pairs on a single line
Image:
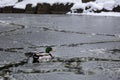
{"points": [[48, 49]]}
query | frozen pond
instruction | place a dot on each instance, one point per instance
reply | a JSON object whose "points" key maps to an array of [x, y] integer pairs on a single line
{"points": [[88, 47]]}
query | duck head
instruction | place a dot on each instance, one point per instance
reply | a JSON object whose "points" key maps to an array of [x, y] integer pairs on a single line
{"points": [[48, 50]]}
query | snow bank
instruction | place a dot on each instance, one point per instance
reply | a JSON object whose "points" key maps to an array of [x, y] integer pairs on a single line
{"points": [[23, 4], [78, 5], [34, 2], [93, 6], [4, 3], [97, 5], [86, 7], [109, 5]]}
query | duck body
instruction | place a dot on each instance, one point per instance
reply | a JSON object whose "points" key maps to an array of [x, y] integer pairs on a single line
{"points": [[36, 57], [42, 57]]}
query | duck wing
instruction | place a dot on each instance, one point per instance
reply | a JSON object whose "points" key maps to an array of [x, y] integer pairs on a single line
{"points": [[42, 54]]}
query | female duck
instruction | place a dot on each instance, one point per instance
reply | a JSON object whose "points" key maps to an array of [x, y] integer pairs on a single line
{"points": [[36, 57]]}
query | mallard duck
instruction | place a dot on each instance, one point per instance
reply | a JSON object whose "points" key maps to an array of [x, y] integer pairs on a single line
{"points": [[36, 57]]}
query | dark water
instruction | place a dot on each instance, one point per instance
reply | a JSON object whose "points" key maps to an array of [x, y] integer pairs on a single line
{"points": [[88, 47]]}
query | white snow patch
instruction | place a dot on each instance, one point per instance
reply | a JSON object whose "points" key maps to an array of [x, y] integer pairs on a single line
{"points": [[93, 6], [109, 5], [23, 3], [78, 5], [34, 2], [97, 5], [4, 3]]}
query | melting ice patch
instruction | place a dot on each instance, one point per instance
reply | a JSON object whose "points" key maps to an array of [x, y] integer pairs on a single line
{"points": [[112, 14], [4, 22]]}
